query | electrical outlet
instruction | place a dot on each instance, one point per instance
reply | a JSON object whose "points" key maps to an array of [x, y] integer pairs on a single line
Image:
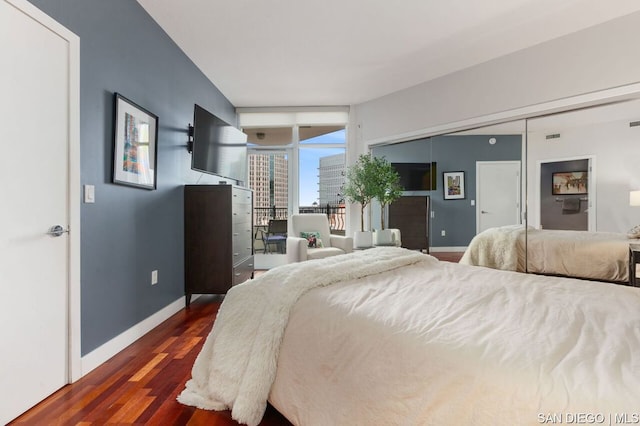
{"points": [[443, 233], [154, 277]]}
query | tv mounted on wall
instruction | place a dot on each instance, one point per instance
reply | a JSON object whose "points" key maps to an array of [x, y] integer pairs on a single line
{"points": [[218, 147], [417, 176]]}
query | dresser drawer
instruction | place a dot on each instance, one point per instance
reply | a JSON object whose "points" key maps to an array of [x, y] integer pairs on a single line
{"points": [[241, 197], [242, 227], [241, 213], [243, 271], [241, 247], [240, 252], [242, 234]]}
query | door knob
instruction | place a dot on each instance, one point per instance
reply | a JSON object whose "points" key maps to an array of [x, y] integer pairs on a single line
{"points": [[56, 230], [483, 212]]}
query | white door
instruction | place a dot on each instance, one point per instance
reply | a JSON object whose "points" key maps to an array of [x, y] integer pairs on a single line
{"points": [[497, 194], [36, 126]]}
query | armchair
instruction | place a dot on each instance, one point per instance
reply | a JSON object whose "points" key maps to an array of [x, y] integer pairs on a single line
{"points": [[316, 224]]}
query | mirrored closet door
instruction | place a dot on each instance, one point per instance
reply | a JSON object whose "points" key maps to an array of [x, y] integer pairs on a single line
{"points": [[582, 176]]}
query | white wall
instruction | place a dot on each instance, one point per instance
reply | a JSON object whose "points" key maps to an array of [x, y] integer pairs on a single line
{"points": [[615, 147], [590, 60], [541, 78]]}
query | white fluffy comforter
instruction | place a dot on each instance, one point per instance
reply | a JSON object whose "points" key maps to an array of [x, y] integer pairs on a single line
{"points": [[448, 344], [580, 254], [237, 364], [497, 248]]}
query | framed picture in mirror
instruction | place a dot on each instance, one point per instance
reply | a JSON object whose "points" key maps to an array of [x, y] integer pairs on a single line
{"points": [[453, 185], [570, 183]]}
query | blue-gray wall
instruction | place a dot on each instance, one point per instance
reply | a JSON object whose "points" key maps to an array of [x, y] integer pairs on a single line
{"points": [[460, 153], [452, 154], [129, 232]]}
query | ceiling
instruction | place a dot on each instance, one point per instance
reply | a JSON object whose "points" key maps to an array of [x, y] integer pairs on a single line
{"points": [[279, 136], [343, 52]]}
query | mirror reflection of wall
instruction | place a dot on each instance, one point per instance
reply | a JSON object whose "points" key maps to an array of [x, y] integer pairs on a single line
{"points": [[453, 222], [564, 194], [602, 134], [579, 167], [411, 152]]}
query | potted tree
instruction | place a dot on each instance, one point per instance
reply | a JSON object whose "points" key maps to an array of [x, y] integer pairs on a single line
{"points": [[360, 188], [387, 189]]}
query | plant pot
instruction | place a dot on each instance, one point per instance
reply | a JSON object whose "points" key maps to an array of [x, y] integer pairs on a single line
{"points": [[363, 239], [384, 237]]}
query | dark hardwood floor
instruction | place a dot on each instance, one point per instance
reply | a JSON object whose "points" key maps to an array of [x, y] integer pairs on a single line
{"points": [[139, 385], [448, 256]]}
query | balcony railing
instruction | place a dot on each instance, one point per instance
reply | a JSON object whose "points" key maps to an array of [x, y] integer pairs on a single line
{"points": [[262, 215], [335, 213]]}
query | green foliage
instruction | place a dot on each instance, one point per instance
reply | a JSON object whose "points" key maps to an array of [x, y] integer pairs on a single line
{"points": [[360, 184], [369, 178], [387, 186]]}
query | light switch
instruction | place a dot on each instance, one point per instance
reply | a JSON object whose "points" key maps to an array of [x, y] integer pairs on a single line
{"points": [[89, 194], [473, 202]]}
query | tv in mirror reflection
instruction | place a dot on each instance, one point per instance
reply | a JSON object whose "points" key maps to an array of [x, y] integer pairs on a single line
{"points": [[218, 147], [417, 176]]}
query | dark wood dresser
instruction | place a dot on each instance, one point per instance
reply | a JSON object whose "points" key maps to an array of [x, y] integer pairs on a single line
{"points": [[410, 214], [218, 243]]}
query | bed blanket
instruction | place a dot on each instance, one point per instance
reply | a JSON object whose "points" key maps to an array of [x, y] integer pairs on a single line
{"points": [[495, 248], [450, 344], [237, 364]]}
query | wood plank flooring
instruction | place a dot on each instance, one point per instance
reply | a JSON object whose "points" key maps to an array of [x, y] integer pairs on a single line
{"points": [[139, 385], [448, 256]]}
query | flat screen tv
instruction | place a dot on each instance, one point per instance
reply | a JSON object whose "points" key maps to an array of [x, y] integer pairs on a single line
{"points": [[417, 176], [218, 147]]}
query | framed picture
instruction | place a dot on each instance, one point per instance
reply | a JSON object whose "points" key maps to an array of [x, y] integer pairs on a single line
{"points": [[135, 144], [569, 183], [453, 185]]}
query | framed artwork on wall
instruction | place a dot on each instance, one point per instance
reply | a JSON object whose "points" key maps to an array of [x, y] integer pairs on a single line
{"points": [[453, 185], [135, 144], [570, 183]]}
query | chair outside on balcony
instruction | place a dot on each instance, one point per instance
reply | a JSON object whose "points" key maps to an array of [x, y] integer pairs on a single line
{"points": [[275, 236], [309, 237]]}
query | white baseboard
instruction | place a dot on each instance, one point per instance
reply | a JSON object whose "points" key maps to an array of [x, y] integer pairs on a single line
{"points": [[454, 249], [103, 353]]}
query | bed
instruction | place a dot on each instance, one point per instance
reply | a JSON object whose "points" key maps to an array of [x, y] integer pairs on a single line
{"points": [[402, 338], [602, 256]]}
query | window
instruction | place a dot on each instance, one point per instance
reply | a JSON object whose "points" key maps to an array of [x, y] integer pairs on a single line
{"points": [[296, 161]]}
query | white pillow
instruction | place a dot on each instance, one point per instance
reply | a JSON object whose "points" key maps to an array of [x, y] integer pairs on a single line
{"points": [[634, 232]]}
